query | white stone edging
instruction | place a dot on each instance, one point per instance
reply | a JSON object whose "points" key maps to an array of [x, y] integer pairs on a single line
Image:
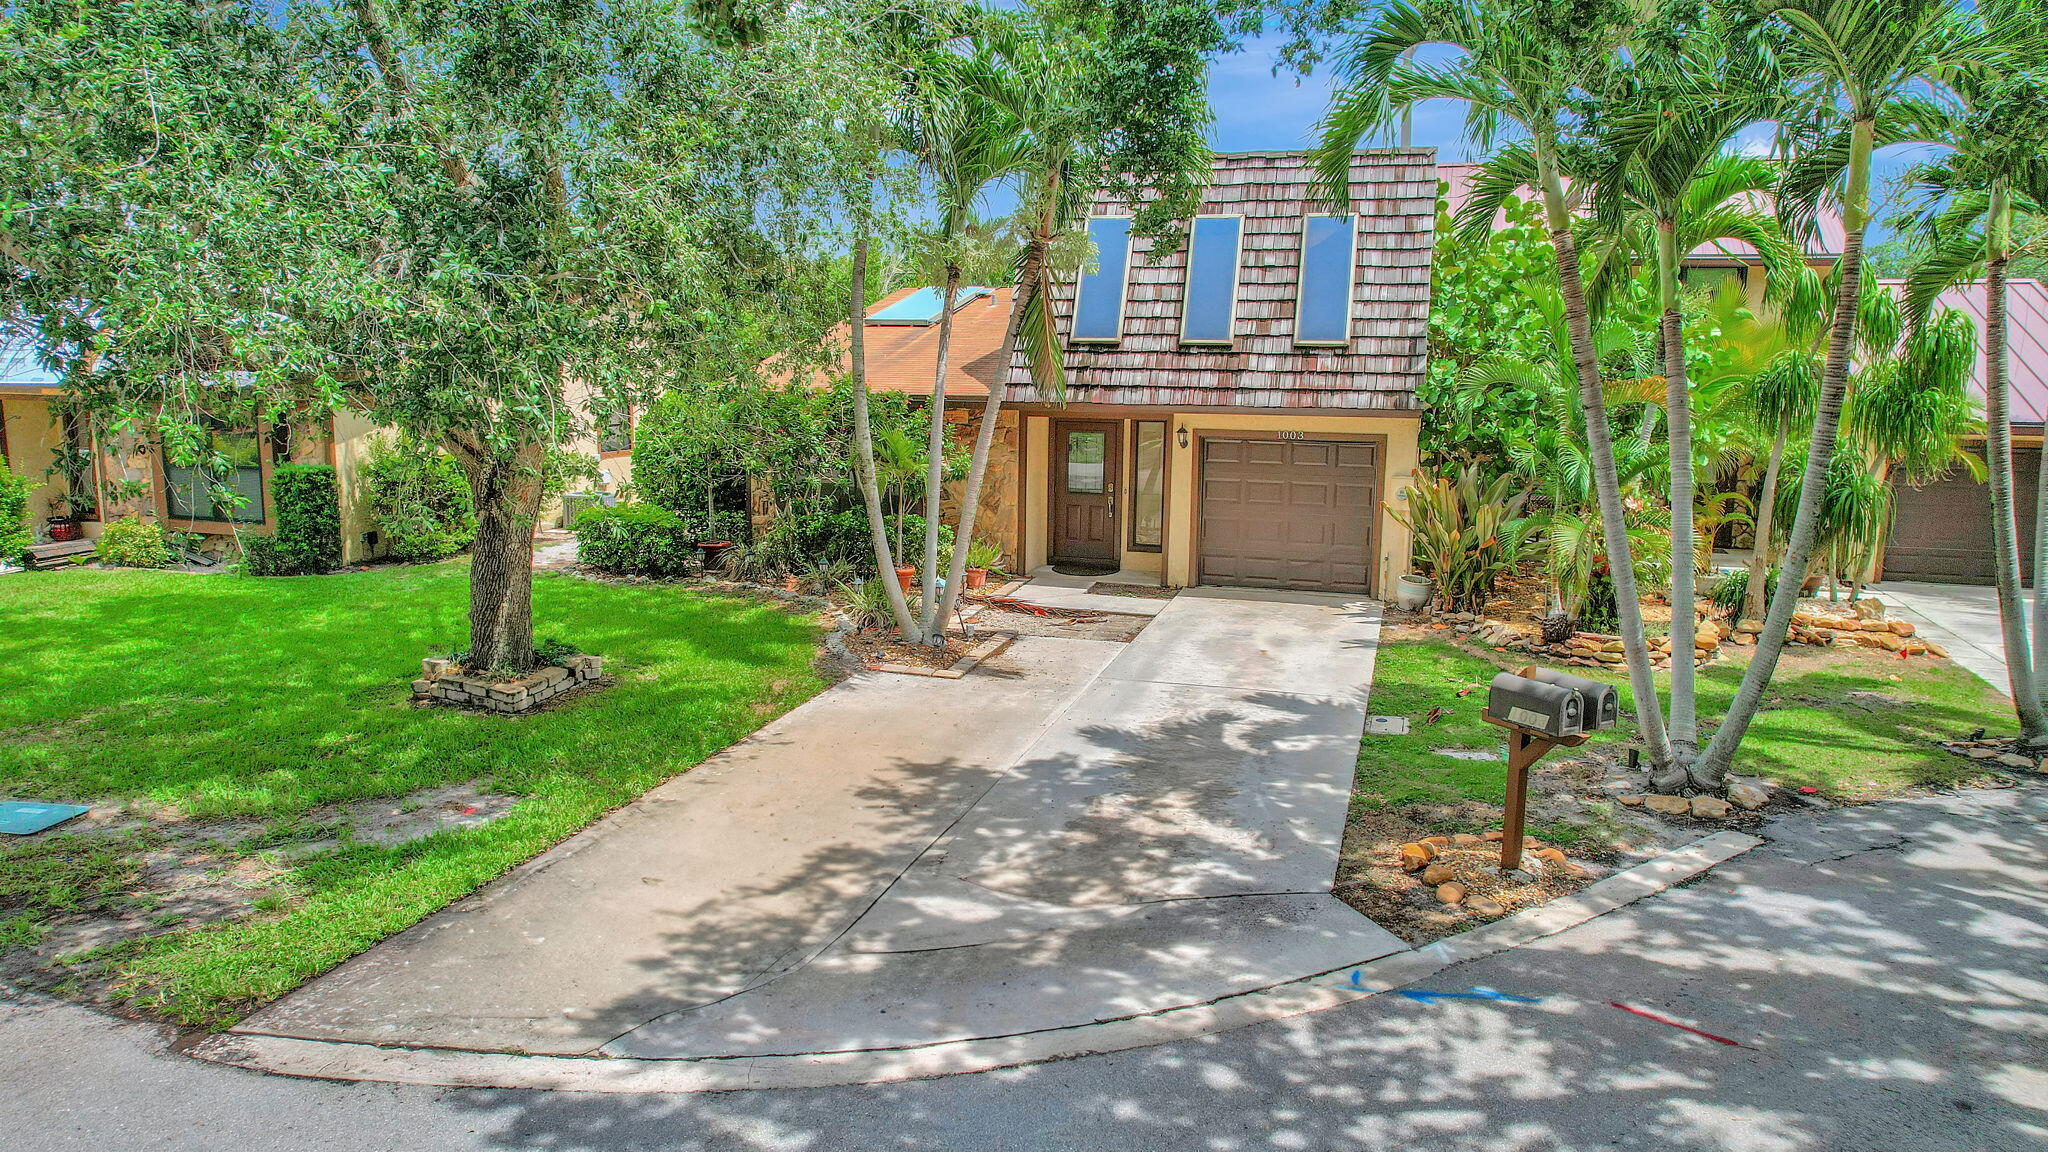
{"points": [[350, 1061]]}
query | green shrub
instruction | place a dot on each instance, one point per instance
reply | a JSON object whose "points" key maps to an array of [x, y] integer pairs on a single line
{"points": [[1469, 532], [636, 540], [133, 543], [805, 543], [1729, 591], [307, 538], [14, 532], [418, 498]]}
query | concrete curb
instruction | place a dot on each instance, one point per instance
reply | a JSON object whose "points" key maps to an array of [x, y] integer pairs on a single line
{"points": [[341, 1060]]}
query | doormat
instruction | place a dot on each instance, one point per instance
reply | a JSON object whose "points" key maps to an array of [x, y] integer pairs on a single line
{"points": [[25, 818], [1082, 568]]}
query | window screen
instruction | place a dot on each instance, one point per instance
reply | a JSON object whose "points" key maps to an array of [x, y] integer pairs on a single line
{"points": [[1323, 313], [1099, 298], [1211, 308]]}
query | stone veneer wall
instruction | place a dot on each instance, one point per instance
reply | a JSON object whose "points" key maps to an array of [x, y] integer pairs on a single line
{"points": [[997, 518]]}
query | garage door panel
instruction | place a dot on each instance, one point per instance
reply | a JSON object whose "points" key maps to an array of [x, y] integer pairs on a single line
{"points": [[1288, 514], [1941, 531]]}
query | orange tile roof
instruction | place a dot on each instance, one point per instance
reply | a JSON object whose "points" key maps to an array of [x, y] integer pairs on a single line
{"points": [[901, 357]]}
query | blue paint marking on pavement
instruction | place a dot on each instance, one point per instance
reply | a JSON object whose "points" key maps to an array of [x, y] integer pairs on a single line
{"points": [[23, 818], [1427, 997]]}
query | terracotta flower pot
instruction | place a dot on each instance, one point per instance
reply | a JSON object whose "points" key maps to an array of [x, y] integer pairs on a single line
{"points": [[792, 584], [976, 578], [906, 576]]}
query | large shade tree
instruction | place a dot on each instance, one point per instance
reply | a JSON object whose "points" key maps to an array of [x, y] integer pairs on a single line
{"points": [[454, 216]]}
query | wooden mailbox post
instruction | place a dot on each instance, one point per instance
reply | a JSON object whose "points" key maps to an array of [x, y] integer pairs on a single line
{"points": [[1525, 747]]}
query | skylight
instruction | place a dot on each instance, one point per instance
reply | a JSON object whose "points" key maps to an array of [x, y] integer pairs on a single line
{"points": [[1210, 312], [922, 306], [1099, 297], [1323, 309]]}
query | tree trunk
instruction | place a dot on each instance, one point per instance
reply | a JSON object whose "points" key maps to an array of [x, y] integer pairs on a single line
{"points": [[1600, 443], [864, 446], [1678, 424], [1767, 509], [1711, 770], [935, 465], [506, 489], [1028, 269], [2005, 547]]}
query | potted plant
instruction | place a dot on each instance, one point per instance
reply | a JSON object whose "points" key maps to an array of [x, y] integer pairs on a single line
{"points": [[983, 557], [1412, 592], [714, 553], [59, 523], [906, 575]]}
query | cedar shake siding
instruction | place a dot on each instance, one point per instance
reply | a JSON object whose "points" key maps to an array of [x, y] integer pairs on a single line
{"points": [[1393, 194]]}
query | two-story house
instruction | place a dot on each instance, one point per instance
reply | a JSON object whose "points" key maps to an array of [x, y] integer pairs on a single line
{"points": [[1241, 411]]}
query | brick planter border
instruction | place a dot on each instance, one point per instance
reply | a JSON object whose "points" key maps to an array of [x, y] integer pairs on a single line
{"points": [[442, 683]]}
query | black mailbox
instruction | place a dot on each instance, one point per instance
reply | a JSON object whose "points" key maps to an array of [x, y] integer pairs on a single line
{"points": [[1551, 709], [1599, 704]]}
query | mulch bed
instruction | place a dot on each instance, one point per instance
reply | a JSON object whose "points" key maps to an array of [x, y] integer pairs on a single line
{"points": [[875, 646], [1405, 904]]}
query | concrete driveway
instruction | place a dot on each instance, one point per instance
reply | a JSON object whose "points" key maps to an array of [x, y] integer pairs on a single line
{"points": [[1076, 831], [1962, 618]]}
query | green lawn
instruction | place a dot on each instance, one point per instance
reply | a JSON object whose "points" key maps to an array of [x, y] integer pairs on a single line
{"points": [[203, 698], [1813, 730]]}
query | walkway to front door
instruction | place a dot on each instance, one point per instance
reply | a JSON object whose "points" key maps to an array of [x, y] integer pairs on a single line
{"points": [[1076, 831]]}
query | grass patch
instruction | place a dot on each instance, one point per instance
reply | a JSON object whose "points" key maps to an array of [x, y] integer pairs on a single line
{"points": [[1854, 724], [217, 697]]}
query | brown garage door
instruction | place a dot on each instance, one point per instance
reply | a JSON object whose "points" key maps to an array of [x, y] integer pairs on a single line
{"points": [[1289, 514], [1942, 531]]}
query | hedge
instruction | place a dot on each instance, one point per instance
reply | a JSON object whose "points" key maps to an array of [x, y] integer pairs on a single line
{"points": [[307, 539], [636, 540]]}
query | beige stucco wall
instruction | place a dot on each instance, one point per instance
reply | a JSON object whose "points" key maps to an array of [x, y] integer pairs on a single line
{"points": [[1175, 562], [353, 436], [33, 433]]}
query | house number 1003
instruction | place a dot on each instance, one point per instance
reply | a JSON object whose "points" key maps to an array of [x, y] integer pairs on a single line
{"points": [[1289, 435]]}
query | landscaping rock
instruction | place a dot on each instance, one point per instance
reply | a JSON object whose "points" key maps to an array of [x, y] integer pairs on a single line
{"points": [[1414, 856], [1435, 841], [1748, 796], [1710, 808], [1901, 627], [1493, 836], [1437, 874], [1450, 893], [1467, 840], [1868, 608], [1632, 799], [1551, 856], [2015, 760], [1485, 906], [1666, 805]]}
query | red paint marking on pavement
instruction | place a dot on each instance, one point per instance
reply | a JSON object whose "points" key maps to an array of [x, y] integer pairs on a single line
{"points": [[1677, 1025]]}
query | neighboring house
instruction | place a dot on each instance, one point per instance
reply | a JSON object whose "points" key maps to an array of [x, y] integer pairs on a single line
{"points": [[1941, 531], [81, 475], [1241, 412]]}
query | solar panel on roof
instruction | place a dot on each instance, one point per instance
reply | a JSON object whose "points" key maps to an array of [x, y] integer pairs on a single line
{"points": [[922, 306]]}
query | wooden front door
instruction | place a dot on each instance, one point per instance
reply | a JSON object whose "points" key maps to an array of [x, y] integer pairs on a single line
{"points": [[1085, 467]]}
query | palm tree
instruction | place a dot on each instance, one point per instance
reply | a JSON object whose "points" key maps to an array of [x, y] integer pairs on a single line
{"points": [[1859, 68], [964, 143], [1523, 64], [1996, 178]]}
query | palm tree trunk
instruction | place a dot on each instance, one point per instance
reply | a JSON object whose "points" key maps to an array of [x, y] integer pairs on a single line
{"points": [[864, 446], [1711, 769], [1767, 510], [1600, 443], [1678, 431], [935, 465], [1029, 267], [2005, 547]]}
